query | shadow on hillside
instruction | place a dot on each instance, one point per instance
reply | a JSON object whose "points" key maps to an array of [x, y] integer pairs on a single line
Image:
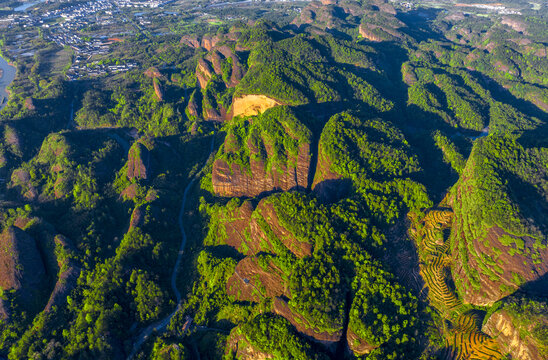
{"points": [[538, 287]]}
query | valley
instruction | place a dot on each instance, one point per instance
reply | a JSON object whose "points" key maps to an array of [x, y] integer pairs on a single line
{"points": [[274, 180]]}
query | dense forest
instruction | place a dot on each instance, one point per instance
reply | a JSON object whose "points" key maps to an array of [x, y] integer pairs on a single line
{"points": [[362, 181]]}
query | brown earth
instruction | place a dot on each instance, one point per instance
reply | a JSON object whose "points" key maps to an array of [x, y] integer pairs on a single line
{"points": [[251, 282], [280, 307], [21, 266], [233, 181], [501, 327]]}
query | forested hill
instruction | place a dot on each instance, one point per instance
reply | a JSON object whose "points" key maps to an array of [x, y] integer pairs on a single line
{"points": [[355, 180]]}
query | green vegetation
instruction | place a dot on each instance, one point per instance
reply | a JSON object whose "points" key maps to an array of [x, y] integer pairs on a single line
{"points": [[416, 137], [274, 335], [274, 138]]}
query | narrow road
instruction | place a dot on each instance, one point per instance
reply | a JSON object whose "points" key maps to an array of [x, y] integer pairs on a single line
{"points": [[161, 324]]}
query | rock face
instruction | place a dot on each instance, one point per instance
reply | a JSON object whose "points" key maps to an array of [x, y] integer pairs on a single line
{"points": [[518, 268], [501, 326], [498, 236], [375, 32], [204, 72], [220, 70], [489, 263], [263, 154], [21, 267], [29, 104], [246, 230], [328, 185], [249, 105], [242, 350], [357, 345], [67, 276], [281, 307], [254, 280], [158, 90], [137, 218], [232, 180], [138, 162]]}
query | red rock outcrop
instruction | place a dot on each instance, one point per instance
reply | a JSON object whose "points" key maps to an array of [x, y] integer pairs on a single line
{"points": [[158, 90], [67, 278], [138, 162], [204, 72], [244, 230], [21, 266], [282, 308], [488, 262], [153, 73], [190, 40], [29, 104], [137, 218], [252, 282], [240, 348], [516, 266], [357, 345], [511, 339], [233, 180]]}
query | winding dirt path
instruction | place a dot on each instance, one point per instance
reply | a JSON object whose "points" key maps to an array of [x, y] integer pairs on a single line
{"points": [[161, 324]]}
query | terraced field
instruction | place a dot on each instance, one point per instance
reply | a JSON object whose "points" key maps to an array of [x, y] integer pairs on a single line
{"points": [[464, 338], [469, 342]]}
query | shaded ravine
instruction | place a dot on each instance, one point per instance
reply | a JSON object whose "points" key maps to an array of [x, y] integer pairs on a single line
{"points": [[161, 324]]}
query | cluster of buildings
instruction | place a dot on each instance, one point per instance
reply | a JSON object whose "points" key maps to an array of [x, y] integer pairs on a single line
{"points": [[81, 68], [498, 8]]}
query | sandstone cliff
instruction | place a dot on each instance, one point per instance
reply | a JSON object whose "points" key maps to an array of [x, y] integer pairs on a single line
{"points": [[252, 231], [270, 163], [256, 278], [512, 338], [21, 266], [282, 308], [68, 274], [357, 345], [138, 165], [498, 242]]}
